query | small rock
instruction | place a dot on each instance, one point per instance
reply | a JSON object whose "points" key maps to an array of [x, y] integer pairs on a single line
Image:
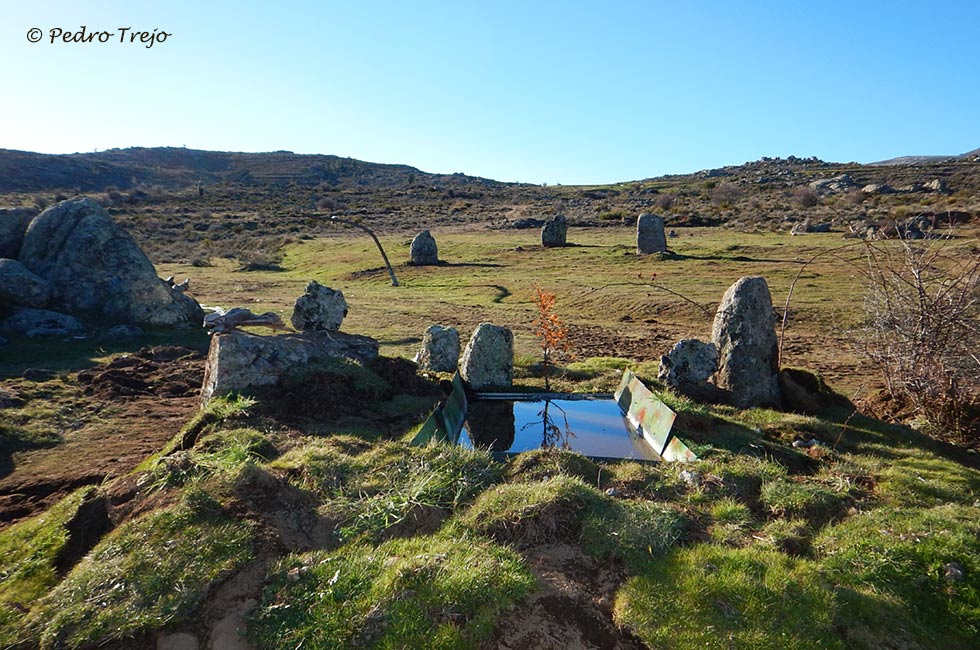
{"points": [[440, 349], [613, 492], [691, 478], [120, 332], [953, 572], [319, 308], [178, 641], [9, 398]]}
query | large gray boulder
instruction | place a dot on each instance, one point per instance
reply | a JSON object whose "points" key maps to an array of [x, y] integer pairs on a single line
{"points": [[320, 308], [554, 232], [424, 251], [744, 332], [13, 225], [239, 362], [35, 323], [97, 271], [440, 349], [650, 237], [488, 360], [18, 286]]}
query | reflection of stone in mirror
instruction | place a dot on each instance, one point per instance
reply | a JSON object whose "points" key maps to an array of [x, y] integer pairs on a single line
{"points": [[491, 424]]}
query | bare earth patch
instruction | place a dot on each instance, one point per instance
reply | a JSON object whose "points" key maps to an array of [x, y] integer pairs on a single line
{"points": [[141, 401]]}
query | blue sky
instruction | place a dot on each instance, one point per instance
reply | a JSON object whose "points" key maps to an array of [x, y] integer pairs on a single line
{"points": [[557, 92]]}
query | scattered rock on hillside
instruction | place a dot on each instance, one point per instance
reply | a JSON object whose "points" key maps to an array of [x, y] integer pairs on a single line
{"points": [[488, 360], [19, 286], [650, 234], [440, 349], [878, 188], [554, 232], [744, 332], [837, 184], [242, 362], [35, 323], [320, 308], [424, 251], [96, 270]]}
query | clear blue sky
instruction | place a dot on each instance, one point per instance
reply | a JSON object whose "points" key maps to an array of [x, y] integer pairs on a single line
{"points": [[558, 92]]}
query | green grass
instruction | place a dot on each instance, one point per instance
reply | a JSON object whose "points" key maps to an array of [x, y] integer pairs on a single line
{"points": [[525, 514], [921, 479], [634, 532], [29, 552], [424, 592], [899, 561], [148, 573], [712, 597], [798, 499]]}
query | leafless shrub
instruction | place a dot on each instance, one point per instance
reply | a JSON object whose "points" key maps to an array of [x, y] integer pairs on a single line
{"points": [[725, 194], [805, 196], [922, 331], [664, 201]]}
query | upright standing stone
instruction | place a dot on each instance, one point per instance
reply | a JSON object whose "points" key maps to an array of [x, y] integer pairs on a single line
{"points": [[488, 360], [554, 232], [744, 332], [319, 308], [650, 235], [440, 349], [424, 251]]}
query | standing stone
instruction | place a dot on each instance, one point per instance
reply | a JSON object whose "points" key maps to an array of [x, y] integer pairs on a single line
{"points": [[554, 232], [319, 308], [97, 270], [440, 349], [488, 360], [650, 235], [424, 251], [19, 286], [744, 332]]}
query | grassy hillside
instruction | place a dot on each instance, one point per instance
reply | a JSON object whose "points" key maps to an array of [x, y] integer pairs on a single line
{"points": [[305, 519]]}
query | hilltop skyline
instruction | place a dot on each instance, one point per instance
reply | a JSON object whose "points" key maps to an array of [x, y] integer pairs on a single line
{"points": [[566, 93]]}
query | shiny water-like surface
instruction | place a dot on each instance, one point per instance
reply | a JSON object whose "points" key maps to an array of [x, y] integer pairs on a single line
{"points": [[592, 427]]}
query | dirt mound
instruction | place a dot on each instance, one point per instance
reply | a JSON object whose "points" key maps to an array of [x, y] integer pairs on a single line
{"points": [[164, 371], [572, 609]]}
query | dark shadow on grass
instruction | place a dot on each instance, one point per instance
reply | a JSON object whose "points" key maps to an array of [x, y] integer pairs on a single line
{"points": [[502, 291]]}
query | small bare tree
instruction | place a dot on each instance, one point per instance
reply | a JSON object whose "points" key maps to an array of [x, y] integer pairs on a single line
{"points": [[922, 331]]}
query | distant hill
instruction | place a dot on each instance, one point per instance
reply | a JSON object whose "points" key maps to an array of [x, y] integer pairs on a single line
{"points": [[171, 167], [922, 160]]}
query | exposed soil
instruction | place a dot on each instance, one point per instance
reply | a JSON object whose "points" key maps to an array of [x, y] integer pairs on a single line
{"points": [[138, 402], [572, 609]]}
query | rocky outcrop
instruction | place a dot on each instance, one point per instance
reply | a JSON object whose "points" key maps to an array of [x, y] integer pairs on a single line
{"points": [[440, 349], [488, 360], [239, 362], [320, 308], [424, 251], [97, 271], [554, 232], [650, 237], [744, 332], [18, 286]]}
